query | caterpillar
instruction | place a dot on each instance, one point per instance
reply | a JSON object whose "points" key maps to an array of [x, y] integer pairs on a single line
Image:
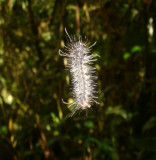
{"points": [[79, 63]]}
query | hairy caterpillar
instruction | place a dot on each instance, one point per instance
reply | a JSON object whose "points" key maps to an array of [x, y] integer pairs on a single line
{"points": [[79, 62]]}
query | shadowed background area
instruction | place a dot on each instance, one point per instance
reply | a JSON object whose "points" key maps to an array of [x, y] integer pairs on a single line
{"points": [[34, 123]]}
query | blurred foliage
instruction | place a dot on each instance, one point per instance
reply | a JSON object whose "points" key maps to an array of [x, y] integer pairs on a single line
{"points": [[34, 123]]}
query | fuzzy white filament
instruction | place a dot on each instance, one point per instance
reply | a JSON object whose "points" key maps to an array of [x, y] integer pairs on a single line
{"points": [[79, 61]]}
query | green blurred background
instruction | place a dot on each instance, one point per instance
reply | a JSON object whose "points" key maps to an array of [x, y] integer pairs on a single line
{"points": [[34, 123]]}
